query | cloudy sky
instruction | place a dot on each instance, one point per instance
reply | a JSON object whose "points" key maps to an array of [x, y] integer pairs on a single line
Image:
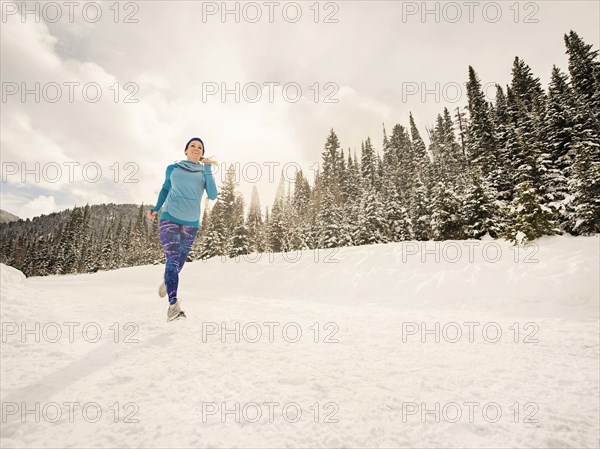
{"points": [[97, 100]]}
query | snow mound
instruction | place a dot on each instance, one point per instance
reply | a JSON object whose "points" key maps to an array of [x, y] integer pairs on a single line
{"points": [[553, 277], [10, 277]]}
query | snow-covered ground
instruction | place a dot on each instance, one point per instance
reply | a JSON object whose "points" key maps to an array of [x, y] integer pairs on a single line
{"points": [[336, 348]]}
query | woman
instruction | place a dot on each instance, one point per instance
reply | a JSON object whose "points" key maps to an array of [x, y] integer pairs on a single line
{"points": [[181, 194]]}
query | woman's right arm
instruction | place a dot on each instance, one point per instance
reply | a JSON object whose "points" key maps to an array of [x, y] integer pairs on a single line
{"points": [[162, 196]]}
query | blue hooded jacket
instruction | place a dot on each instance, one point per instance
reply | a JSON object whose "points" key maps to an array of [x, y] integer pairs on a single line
{"points": [[181, 193]]}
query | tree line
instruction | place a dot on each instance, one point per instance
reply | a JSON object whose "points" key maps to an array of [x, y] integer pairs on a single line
{"points": [[520, 167]]}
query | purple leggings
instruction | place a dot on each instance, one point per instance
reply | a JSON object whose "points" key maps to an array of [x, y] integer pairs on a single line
{"points": [[177, 242]]}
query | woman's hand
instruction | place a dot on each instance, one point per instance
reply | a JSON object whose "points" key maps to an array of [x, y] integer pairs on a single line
{"points": [[207, 160], [151, 215]]}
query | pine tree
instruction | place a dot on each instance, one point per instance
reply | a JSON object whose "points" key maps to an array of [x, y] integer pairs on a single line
{"points": [[481, 213], [332, 166], [527, 89], [529, 215], [527, 103], [329, 222], [301, 212], [70, 243], [585, 183], [398, 226], [255, 224], [240, 243], [584, 67], [401, 144], [228, 211], [502, 175], [481, 143], [368, 164], [372, 224], [447, 219], [213, 240], [420, 213], [42, 256], [584, 186], [558, 137], [87, 250], [156, 254], [420, 161], [138, 239], [275, 227]]}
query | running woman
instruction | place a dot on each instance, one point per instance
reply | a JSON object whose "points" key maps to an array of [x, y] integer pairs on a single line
{"points": [[181, 193]]}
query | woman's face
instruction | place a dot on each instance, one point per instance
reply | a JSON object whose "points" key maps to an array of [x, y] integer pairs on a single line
{"points": [[194, 151]]}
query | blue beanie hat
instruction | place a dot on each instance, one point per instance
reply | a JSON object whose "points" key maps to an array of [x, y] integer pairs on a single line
{"points": [[191, 140]]}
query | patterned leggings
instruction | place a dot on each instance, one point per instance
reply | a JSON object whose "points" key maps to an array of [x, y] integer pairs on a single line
{"points": [[177, 242]]}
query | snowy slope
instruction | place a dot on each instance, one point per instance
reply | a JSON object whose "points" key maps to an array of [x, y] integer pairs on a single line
{"points": [[366, 370], [7, 217]]}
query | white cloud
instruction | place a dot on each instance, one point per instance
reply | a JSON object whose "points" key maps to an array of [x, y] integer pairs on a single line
{"points": [[39, 205]]}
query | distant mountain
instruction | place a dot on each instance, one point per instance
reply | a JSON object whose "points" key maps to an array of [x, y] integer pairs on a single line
{"points": [[80, 240], [7, 217]]}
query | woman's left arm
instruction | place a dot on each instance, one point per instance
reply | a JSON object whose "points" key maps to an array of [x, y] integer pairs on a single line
{"points": [[209, 182]]}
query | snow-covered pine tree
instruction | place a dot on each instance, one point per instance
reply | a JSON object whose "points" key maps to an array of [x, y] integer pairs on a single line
{"points": [[420, 161], [420, 212], [27, 263], [42, 259], [19, 251], [446, 218], [123, 242], [528, 103], [351, 193], [312, 236], [480, 211], [301, 212], [289, 228], [398, 226], [558, 137], [332, 166], [585, 182], [331, 195], [329, 220], [105, 258], [454, 159], [526, 88], [227, 213], [505, 136], [379, 173], [390, 159], [460, 117], [448, 166], [368, 164], [254, 221], [401, 144], [138, 240], [372, 225], [155, 252], [397, 221], [275, 226], [69, 245], [196, 251], [481, 143], [87, 250], [90, 258], [240, 243], [529, 215], [584, 68], [212, 240]]}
